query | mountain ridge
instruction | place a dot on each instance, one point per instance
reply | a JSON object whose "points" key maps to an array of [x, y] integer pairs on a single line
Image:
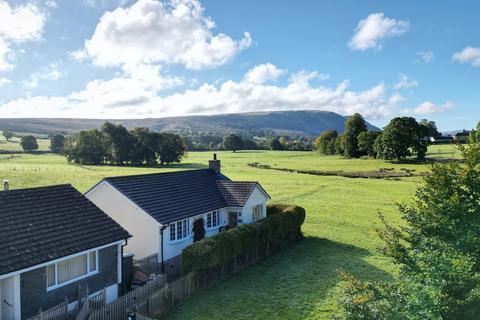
{"points": [[298, 122]]}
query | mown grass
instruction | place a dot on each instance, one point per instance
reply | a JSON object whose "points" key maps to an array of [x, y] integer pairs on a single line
{"points": [[300, 282]]}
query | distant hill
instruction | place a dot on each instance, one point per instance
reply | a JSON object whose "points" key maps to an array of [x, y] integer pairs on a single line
{"points": [[304, 123]]}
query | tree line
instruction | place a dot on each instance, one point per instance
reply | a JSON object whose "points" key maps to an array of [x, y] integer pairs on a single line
{"points": [[401, 138], [114, 144]]}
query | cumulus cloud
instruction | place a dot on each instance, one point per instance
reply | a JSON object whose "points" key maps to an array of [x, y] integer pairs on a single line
{"points": [[17, 25], [371, 31], [428, 107], [168, 32], [137, 94], [468, 55], [404, 82], [50, 73], [4, 81], [264, 72], [424, 56]]}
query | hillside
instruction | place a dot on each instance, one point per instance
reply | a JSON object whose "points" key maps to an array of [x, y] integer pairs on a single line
{"points": [[305, 123]]}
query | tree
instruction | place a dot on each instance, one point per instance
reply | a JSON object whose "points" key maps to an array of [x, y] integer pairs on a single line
{"points": [[401, 137], [325, 143], [275, 144], [145, 145], [429, 128], [437, 248], [57, 142], [7, 134], [249, 144], [340, 144], [119, 143], [233, 142], [171, 148], [29, 143], [353, 127], [87, 148], [366, 143]]}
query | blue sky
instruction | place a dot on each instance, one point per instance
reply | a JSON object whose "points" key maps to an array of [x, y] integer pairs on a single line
{"points": [[129, 59]]}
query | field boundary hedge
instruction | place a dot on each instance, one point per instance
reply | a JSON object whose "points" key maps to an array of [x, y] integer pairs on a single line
{"points": [[384, 173], [237, 248]]}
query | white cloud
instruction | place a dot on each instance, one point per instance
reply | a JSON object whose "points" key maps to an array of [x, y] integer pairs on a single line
{"points": [[135, 94], [424, 56], [428, 107], [404, 82], [50, 73], [370, 31], [4, 81], [17, 25], [468, 55], [173, 32], [264, 72]]}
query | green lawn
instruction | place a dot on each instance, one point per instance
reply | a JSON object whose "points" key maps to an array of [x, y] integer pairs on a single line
{"points": [[298, 283]]}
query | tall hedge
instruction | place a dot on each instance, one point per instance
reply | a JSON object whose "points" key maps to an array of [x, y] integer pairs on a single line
{"points": [[281, 228]]}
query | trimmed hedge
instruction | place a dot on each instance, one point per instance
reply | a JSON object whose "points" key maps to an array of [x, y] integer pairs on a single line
{"points": [[281, 228]]}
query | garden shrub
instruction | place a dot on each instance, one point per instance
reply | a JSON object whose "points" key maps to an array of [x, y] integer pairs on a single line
{"points": [[281, 228]]}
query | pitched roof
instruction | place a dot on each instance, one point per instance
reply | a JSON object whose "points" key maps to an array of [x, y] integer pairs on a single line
{"points": [[236, 193], [38, 225], [172, 196]]}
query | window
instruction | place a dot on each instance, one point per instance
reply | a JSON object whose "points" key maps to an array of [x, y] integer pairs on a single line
{"points": [[69, 270], [257, 212], [213, 219], [179, 230]]}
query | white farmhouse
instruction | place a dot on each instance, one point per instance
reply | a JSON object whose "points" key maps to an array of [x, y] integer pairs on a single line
{"points": [[159, 209]]}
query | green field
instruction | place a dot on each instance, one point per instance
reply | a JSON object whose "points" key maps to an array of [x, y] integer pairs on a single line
{"points": [[14, 144], [300, 282]]}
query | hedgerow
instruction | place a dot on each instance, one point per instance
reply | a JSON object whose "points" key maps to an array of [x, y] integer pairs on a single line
{"points": [[280, 228]]}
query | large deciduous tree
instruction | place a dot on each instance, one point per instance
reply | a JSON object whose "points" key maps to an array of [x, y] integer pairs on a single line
{"points": [[29, 143], [233, 142], [400, 138], [353, 127], [57, 142], [325, 143], [366, 143], [172, 148]]}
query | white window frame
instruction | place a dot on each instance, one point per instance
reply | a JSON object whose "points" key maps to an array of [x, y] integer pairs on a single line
{"points": [[88, 274], [258, 207], [185, 224], [218, 217]]}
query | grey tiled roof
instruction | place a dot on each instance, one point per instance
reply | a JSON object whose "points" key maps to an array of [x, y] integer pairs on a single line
{"points": [[38, 225], [172, 196]]}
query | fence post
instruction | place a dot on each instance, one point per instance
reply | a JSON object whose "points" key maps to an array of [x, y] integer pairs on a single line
{"points": [[66, 306]]}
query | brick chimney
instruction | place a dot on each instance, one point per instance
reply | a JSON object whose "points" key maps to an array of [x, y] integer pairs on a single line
{"points": [[214, 164]]}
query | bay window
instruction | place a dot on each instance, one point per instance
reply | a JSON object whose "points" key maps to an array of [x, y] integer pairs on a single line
{"points": [[72, 269], [213, 219]]}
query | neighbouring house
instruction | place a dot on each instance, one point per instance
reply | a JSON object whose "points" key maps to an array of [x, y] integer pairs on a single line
{"points": [[462, 136], [53, 242], [159, 209]]}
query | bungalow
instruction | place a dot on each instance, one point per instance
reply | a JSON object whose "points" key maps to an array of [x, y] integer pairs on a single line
{"points": [[159, 209], [53, 241]]}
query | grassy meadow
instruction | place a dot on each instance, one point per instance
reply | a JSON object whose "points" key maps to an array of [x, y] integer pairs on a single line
{"points": [[300, 282]]}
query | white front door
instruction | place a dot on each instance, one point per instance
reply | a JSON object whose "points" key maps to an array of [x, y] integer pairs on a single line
{"points": [[7, 294]]}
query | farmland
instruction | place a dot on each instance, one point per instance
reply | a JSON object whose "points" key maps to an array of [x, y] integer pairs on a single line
{"points": [[302, 281]]}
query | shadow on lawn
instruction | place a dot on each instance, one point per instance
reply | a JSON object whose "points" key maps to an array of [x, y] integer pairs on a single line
{"points": [[297, 283]]}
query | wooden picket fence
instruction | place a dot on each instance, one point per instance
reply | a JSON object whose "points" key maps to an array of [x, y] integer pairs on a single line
{"points": [[59, 312], [119, 308], [89, 303]]}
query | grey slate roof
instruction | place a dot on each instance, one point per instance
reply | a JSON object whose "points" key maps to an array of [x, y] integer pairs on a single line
{"points": [[38, 225], [236, 193], [172, 196]]}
